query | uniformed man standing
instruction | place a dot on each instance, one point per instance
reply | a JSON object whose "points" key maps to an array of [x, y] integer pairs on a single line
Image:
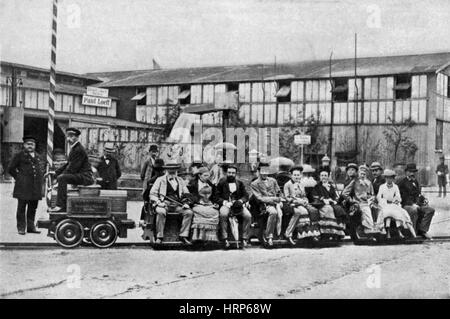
{"points": [[147, 171], [76, 171], [27, 169], [109, 169]]}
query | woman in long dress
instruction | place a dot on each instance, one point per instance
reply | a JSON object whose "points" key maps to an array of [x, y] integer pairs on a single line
{"points": [[298, 206], [205, 221], [389, 200], [325, 199]]}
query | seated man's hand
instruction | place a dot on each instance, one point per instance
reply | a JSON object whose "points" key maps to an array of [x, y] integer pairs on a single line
{"points": [[227, 204], [185, 206], [161, 204]]}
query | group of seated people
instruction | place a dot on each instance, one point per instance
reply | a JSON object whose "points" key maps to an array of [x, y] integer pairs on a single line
{"points": [[308, 208]]}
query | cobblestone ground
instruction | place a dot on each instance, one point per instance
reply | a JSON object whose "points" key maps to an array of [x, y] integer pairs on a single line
{"points": [[349, 271]]}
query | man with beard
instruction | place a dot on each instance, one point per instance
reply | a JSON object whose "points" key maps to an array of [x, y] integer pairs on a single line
{"points": [[170, 194], [231, 195], [109, 169], [414, 202], [26, 169]]}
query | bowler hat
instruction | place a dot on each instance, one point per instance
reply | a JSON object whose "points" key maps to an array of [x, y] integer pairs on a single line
{"points": [[73, 130], [351, 165], [27, 138], [375, 165], [153, 148], [411, 167], [159, 163], [389, 173]]}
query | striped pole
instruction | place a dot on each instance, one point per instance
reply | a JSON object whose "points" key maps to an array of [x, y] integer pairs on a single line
{"points": [[51, 107], [52, 93]]}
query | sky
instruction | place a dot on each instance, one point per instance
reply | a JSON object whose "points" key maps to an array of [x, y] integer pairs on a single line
{"points": [[113, 35]]}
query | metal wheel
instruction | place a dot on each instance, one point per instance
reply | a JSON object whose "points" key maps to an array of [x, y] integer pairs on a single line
{"points": [[69, 233], [103, 234]]}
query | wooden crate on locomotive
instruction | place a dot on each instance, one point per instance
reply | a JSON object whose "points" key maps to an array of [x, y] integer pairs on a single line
{"points": [[92, 216]]}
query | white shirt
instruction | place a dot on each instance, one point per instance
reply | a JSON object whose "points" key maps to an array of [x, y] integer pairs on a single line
{"points": [[232, 187], [390, 194]]}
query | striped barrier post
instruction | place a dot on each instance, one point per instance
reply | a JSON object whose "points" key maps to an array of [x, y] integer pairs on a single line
{"points": [[52, 97]]}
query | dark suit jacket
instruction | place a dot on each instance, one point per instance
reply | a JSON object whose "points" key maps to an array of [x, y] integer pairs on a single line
{"points": [[193, 189], [409, 190], [109, 173], [77, 164], [223, 193], [28, 173], [377, 182], [320, 191]]}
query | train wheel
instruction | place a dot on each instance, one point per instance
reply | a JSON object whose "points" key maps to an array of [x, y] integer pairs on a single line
{"points": [[103, 234], [69, 233]]}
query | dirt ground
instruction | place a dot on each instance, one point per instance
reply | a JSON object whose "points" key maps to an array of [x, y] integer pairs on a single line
{"points": [[402, 271]]}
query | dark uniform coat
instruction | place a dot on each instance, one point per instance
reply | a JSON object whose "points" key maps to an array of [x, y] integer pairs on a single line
{"points": [[109, 172], [28, 173], [78, 165]]}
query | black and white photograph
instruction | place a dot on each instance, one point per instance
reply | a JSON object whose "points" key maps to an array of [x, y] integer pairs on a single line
{"points": [[237, 151]]}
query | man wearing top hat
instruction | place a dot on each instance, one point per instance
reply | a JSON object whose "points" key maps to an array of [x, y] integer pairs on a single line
{"points": [[377, 174], [414, 202], [170, 193], [76, 171], [26, 168], [442, 171], [109, 169], [147, 171]]}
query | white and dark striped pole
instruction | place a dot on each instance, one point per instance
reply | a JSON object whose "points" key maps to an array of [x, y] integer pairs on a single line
{"points": [[52, 93], [52, 102]]}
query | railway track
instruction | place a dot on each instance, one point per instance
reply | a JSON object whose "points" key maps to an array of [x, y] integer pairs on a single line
{"points": [[254, 245]]}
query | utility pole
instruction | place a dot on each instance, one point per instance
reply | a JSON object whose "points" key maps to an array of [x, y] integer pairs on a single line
{"points": [[356, 100], [330, 137]]}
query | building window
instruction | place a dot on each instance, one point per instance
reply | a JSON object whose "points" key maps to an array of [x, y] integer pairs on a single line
{"points": [[439, 135], [448, 86], [184, 97], [283, 92], [232, 87], [340, 90], [402, 87], [140, 96]]}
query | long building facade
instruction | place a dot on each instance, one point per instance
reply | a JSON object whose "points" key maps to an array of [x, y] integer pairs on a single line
{"points": [[390, 109], [393, 109]]}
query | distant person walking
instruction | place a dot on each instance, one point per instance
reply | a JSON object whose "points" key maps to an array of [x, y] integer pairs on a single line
{"points": [[442, 171]]}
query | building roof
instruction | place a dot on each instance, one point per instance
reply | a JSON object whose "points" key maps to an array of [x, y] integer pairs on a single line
{"points": [[60, 87], [33, 68], [369, 66]]}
